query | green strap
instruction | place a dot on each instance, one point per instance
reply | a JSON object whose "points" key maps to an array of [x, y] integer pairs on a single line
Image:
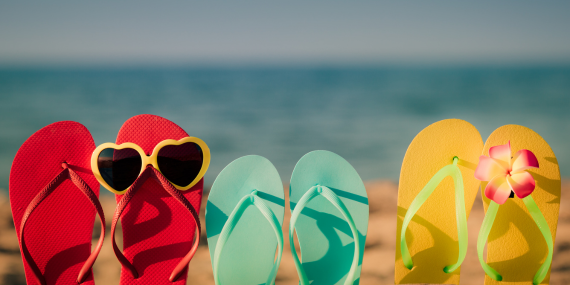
{"points": [[545, 230], [460, 214], [335, 200], [542, 226], [246, 201], [482, 239]]}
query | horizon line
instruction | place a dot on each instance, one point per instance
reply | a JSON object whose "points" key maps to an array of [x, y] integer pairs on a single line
{"points": [[282, 64]]}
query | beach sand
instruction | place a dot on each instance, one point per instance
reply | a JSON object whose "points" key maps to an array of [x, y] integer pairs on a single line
{"points": [[377, 268]]}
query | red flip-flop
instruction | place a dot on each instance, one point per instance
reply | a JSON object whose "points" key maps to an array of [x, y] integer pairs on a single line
{"points": [[159, 222], [54, 198]]}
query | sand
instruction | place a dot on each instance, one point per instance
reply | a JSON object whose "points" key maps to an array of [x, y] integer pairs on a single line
{"points": [[377, 268]]}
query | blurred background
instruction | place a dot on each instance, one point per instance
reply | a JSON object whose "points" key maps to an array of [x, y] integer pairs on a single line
{"points": [[280, 79]]}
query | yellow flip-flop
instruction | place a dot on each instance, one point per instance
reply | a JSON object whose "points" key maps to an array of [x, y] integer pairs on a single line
{"points": [[436, 192], [520, 230]]}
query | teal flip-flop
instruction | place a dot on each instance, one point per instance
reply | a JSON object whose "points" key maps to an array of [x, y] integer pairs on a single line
{"points": [[330, 215], [244, 216]]}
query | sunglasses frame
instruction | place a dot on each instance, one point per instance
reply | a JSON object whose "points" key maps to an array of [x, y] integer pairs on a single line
{"points": [[152, 160]]}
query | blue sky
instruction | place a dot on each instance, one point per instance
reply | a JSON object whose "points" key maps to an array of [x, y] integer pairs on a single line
{"points": [[285, 32]]}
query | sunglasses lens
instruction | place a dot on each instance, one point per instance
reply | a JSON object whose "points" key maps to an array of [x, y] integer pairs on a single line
{"points": [[180, 164], [119, 167]]}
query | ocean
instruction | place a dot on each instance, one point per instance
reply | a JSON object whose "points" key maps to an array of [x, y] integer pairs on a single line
{"points": [[367, 115]]}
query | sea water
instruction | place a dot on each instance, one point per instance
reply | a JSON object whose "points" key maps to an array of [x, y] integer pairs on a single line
{"points": [[367, 115]]}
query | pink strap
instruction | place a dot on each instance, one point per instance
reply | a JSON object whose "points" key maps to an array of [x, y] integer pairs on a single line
{"points": [[66, 173], [129, 194]]}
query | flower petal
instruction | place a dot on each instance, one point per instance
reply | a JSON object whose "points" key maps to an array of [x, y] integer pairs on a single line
{"points": [[489, 168], [498, 189], [524, 159], [522, 183], [502, 153]]}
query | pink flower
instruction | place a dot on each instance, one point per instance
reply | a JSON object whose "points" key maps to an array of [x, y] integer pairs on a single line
{"points": [[506, 173]]}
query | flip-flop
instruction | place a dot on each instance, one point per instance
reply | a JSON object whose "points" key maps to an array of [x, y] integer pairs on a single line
{"points": [[432, 217], [159, 222], [54, 199], [244, 216], [329, 208], [520, 230]]}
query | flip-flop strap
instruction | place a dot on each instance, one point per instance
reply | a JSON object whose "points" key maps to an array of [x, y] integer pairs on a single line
{"points": [[66, 173], [542, 226], [482, 239], [121, 206], [335, 200], [545, 230], [127, 196], [233, 219], [76, 179], [176, 194], [460, 214]]}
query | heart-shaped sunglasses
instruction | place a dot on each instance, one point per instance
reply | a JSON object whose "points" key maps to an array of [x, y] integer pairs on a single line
{"points": [[183, 163]]}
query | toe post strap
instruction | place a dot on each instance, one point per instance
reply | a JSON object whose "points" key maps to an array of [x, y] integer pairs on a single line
{"points": [[249, 200], [175, 193], [328, 194], [65, 173], [540, 221], [460, 213]]}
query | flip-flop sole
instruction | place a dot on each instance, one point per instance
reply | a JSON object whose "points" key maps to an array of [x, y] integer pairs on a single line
{"points": [[324, 237], [432, 233], [157, 230], [516, 248], [59, 231], [249, 253]]}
